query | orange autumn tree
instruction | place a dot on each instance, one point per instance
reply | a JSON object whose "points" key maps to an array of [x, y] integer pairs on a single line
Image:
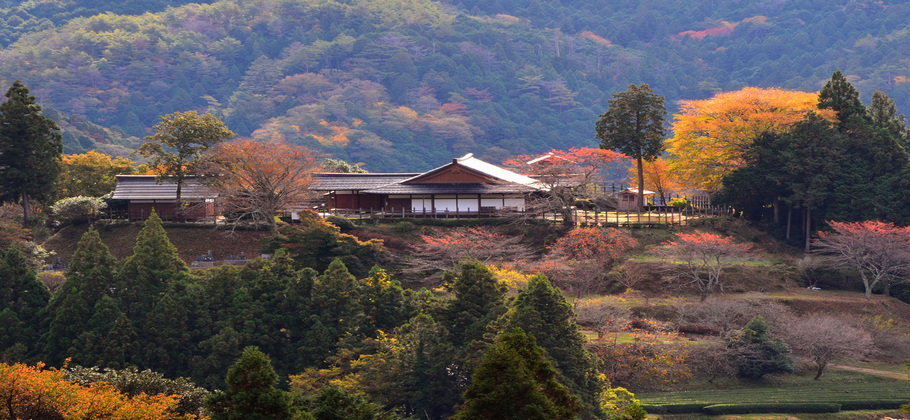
{"points": [[31, 392], [658, 177], [581, 259], [259, 180], [700, 258], [642, 355], [443, 249], [710, 135]]}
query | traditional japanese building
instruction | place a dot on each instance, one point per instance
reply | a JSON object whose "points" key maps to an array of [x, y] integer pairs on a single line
{"points": [[142, 193], [465, 186]]}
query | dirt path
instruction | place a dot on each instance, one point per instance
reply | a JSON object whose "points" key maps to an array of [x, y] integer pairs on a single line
{"points": [[883, 373]]}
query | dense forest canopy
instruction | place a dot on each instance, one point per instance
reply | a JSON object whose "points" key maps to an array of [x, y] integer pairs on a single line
{"points": [[404, 86]]}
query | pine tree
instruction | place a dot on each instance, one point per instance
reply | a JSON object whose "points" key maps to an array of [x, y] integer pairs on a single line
{"points": [[251, 393], [515, 381], [30, 150], [541, 310]]}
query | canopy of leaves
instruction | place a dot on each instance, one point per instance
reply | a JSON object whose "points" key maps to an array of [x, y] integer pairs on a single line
{"points": [[711, 135]]}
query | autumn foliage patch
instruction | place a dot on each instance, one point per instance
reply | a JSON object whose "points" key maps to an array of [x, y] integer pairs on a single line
{"points": [[34, 392]]}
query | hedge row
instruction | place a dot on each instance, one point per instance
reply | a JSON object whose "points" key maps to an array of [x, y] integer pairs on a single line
{"points": [[883, 404], [718, 409]]}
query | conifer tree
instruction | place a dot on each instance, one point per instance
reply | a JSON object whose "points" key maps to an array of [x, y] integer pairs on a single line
{"points": [[479, 299], [91, 271], [20, 288], [120, 344], [758, 353], [634, 125], [337, 310], [251, 392], [30, 150], [90, 279], [90, 342], [515, 381], [542, 311], [145, 275], [12, 336], [841, 97]]}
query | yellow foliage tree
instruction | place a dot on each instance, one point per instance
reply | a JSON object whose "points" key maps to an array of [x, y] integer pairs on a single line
{"points": [[33, 392], [709, 135]]}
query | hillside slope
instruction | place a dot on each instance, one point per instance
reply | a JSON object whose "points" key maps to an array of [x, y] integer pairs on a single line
{"points": [[406, 85]]}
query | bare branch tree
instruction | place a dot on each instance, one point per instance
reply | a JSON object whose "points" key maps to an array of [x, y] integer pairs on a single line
{"points": [[823, 338], [879, 251], [260, 180]]}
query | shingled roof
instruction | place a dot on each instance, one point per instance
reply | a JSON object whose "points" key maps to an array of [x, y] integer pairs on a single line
{"points": [[145, 187], [345, 182]]}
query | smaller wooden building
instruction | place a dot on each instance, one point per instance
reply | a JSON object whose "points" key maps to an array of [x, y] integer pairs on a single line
{"points": [[465, 186], [142, 193], [627, 199]]}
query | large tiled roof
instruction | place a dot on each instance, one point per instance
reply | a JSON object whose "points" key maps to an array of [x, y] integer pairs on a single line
{"points": [[343, 182], [145, 187], [451, 188]]}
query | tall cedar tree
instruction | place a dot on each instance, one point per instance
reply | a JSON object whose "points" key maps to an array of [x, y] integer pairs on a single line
{"points": [[176, 149], [144, 276], [541, 310], [841, 97], [89, 278], [30, 150], [22, 298], [516, 381], [634, 125], [251, 392]]}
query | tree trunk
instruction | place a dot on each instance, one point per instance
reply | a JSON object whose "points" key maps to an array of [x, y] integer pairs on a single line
{"points": [[789, 219], [808, 227], [179, 202], [26, 208], [641, 183], [776, 211], [821, 368]]}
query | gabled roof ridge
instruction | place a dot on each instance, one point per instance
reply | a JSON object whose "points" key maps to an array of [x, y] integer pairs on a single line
{"points": [[470, 162]]}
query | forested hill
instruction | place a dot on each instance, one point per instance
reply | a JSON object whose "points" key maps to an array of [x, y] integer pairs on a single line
{"points": [[404, 85]]}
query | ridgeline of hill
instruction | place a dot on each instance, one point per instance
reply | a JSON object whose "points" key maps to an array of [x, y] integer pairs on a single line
{"points": [[406, 85]]}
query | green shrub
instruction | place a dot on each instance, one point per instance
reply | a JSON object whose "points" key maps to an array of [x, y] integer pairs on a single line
{"points": [[405, 227], [343, 223], [678, 203], [721, 409], [79, 209]]}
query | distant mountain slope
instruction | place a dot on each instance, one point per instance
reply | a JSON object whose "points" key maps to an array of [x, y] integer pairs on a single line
{"points": [[405, 85]]}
